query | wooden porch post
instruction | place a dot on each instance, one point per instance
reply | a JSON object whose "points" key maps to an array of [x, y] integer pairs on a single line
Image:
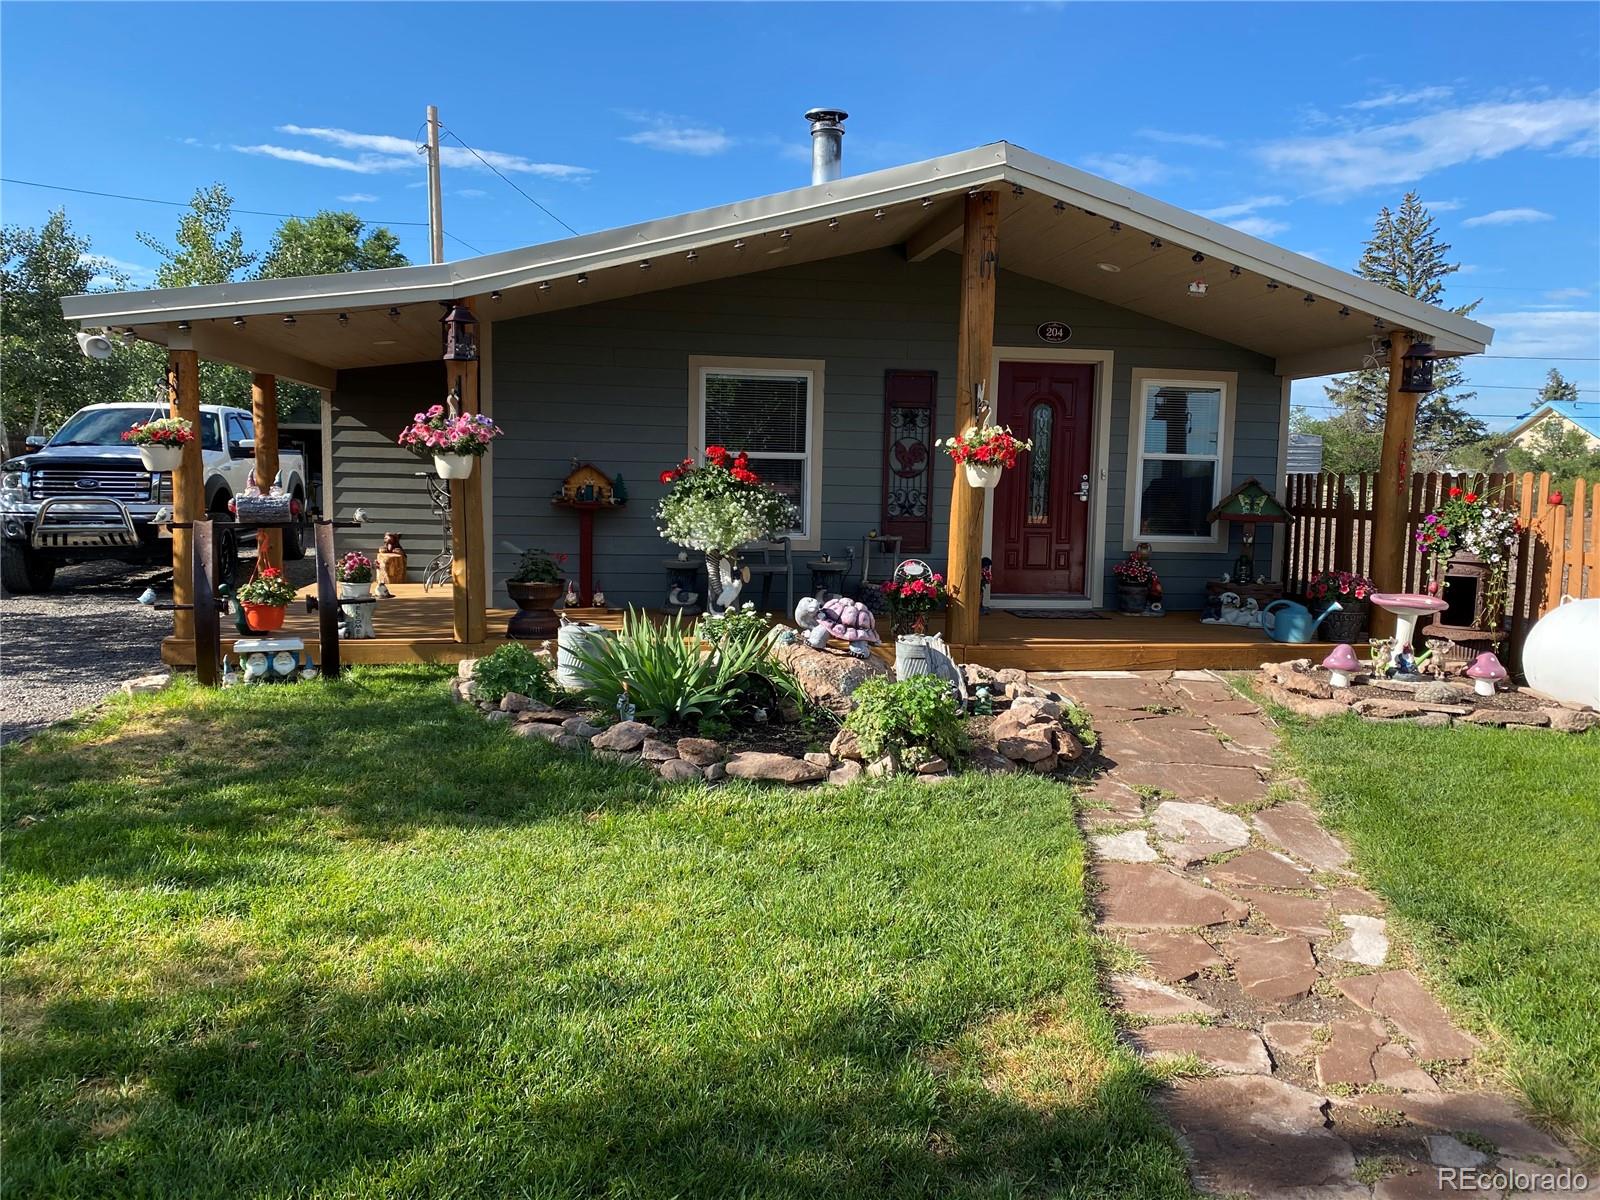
{"points": [[974, 356], [188, 485], [264, 415], [1392, 495], [471, 623]]}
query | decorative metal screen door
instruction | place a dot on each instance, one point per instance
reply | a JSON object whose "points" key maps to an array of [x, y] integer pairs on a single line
{"points": [[1041, 506], [909, 400]]}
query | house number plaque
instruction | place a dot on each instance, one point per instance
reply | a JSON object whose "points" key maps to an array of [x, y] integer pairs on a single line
{"points": [[1055, 332]]}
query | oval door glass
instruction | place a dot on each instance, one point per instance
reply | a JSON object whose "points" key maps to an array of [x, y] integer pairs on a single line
{"points": [[1040, 423]]}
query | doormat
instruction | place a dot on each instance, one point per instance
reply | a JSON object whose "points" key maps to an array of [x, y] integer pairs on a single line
{"points": [[1057, 614]]}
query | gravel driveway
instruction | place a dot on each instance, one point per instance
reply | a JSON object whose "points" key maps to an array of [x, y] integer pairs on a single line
{"points": [[72, 646]]}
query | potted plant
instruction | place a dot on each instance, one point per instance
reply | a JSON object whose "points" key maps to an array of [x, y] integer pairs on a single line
{"points": [[454, 440], [354, 574], [160, 442], [535, 585], [911, 599], [985, 452], [1346, 622], [1134, 576], [717, 507], [265, 599]]}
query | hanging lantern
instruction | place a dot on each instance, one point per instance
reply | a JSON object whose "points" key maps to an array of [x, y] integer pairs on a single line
{"points": [[460, 334], [1416, 368]]}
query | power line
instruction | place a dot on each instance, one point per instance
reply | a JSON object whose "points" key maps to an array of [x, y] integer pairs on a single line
{"points": [[514, 187], [1540, 357], [250, 212]]}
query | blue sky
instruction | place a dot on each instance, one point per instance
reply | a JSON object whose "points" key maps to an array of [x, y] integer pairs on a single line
{"points": [[1293, 121]]}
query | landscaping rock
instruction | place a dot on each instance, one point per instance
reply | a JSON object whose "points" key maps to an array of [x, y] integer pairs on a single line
{"points": [[1188, 781], [1068, 747], [578, 727], [1347, 1055], [1433, 720], [1508, 716], [1244, 730], [1231, 1051], [1260, 868], [1572, 720], [1273, 970], [654, 750], [463, 691], [1482, 1114], [715, 773], [147, 685], [1108, 802], [1354, 899], [1392, 1067], [1386, 710], [1314, 686], [829, 677], [497, 715], [847, 771], [1032, 745], [819, 759], [1253, 1135], [845, 744], [1167, 739], [1147, 998], [1131, 846], [534, 729], [1044, 766], [678, 770], [1291, 1039], [773, 768], [1040, 706], [1398, 996], [1292, 914], [516, 702], [982, 758], [465, 667], [572, 742], [930, 766], [1143, 896], [883, 765], [1190, 832], [547, 714], [702, 752], [1368, 943], [1175, 957], [1305, 706], [1446, 1151], [624, 737], [1294, 828], [1444, 693]]}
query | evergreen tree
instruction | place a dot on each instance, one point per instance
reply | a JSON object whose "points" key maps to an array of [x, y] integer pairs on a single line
{"points": [[1558, 389], [1406, 254]]}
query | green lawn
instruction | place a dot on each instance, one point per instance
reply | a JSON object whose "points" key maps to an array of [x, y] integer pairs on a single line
{"points": [[1486, 843], [346, 939]]}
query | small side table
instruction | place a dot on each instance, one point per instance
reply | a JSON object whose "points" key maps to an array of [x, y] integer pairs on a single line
{"points": [[827, 576], [685, 576]]}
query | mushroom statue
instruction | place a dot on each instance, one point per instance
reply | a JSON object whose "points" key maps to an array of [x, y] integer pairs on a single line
{"points": [[1485, 672], [1342, 664], [841, 617]]}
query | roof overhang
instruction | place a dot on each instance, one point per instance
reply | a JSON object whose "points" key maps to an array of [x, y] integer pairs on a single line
{"points": [[1059, 224]]}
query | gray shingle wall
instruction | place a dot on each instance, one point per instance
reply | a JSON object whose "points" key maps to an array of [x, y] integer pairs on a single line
{"points": [[609, 383]]}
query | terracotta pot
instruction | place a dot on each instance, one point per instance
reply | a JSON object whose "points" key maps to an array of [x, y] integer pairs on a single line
{"points": [[264, 618], [162, 459], [982, 475], [453, 466], [535, 618]]}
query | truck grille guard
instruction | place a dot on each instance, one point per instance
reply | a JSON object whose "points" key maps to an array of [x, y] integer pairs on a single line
{"points": [[66, 522]]}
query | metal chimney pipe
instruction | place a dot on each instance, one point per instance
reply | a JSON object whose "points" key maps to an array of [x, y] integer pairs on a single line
{"points": [[827, 143]]}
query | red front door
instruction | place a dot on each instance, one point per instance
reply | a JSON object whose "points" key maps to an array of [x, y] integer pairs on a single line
{"points": [[1041, 506]]}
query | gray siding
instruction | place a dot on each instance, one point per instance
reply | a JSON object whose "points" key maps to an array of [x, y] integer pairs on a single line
{"points": [[370, 408], [609, 384]]}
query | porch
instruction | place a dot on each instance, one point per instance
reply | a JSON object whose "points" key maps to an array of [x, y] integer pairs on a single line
{"points": [[415, 626]]}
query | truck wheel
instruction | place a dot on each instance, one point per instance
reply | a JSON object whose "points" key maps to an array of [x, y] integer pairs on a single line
{"points": [[227, 564], [23, 571], [294, 537]]}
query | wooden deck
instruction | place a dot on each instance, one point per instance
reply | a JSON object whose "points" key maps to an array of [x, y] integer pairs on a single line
{"points": [[414, 626]]}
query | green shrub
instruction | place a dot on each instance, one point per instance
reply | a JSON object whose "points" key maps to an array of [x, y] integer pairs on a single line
{"points": [[514, 668], [1082, 726], [670, 681], [896, 716]]}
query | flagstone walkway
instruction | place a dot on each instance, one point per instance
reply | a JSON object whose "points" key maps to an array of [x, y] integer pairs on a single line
{"points": [[1333, 1074]]}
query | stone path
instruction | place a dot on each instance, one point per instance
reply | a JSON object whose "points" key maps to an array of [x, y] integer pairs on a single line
{"points": [[1332, 1074]]}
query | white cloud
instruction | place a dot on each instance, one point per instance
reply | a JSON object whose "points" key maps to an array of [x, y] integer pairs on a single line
{"points": [[678, 135], [358, 198], [367, 164], [470, 193], [138, 274], [1547, 333], [1130, 170], [1508, 216], [1243, 208], [1403, 151], [377, 153], [1392, 99], [1204, 141], [1440, 206], [1261, 227], [1572, 293]]}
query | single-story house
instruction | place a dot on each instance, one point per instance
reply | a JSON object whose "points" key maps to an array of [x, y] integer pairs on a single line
{"points": [[1583, 416], [829, 331]]}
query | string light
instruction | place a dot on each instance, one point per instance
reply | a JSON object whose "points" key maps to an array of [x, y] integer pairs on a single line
{"points": [[1155, 243], [583, 280], [1235, 272], [1344, 310], [644, 265], [1116, 227], [289, 320], [344, 320], [238, 322], [785, 235], [183, 327], [1309, 298], [691, 256], [1197, 257], [1016, 190], [878, 215], [927, 202], [394, 314], [738, 243], [833, 222], [1060, 206], [544, 285], [1272, 285], [495, 296]]}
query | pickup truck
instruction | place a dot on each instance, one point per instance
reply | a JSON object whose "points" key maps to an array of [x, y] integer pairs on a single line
{"points": [[85, 495]]}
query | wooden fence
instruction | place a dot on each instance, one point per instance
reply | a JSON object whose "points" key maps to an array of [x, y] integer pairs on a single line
{"points": [[1556, 554]]}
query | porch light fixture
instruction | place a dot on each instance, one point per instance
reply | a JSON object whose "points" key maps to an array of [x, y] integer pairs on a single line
{"points": [[394, 314], [544, 285], [1116, 227], [785, 235], [833, 222], [691, 256], [128, 335], [1272, 285], [183, 327], [1308, 298], [644, 264], [1110, 267], [1155, 243], [1416, 368], [1235, 272], [927, 202], [289, 320], [238, 322], [878, 215], [1016, 190], [495, 296], [460, 334], [1197, 257], [1344, 310], [738, 243], [583, 280], [1060, 206], [344, 320]]}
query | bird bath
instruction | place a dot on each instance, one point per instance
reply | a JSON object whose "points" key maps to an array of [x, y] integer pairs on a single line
{"points": [[1406, 607]]}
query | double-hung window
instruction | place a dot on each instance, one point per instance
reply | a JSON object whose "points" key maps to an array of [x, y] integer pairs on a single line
{"points": [[1179, 457], [771, 410]]}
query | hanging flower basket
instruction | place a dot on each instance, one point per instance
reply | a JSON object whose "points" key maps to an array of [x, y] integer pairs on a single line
{"points": [[985, 453], [265, 599], [453, 466], [264, 618], [453, 439], [160, 442]]}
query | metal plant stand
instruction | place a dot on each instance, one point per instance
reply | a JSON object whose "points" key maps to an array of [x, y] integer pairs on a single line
{"points": [[439, 570]]}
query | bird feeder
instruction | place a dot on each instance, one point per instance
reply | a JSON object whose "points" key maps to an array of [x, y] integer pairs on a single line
{"points": [[1485, 672], [460, 334], [1342, 664], [1248, 505], [1416, 368]]}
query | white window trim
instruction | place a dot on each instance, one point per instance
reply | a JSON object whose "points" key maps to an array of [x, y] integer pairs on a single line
{"points": [[1139, 384], [810, 535]]}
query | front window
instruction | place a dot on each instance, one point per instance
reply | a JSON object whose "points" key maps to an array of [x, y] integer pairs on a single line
{"points": [[1182, 427], [770, 415]]}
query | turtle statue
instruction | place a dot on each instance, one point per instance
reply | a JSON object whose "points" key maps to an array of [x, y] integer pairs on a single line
{"points": [[841, 617]]}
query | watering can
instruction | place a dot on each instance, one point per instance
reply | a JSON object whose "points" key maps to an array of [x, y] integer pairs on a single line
{"points": [[1286, 621]]}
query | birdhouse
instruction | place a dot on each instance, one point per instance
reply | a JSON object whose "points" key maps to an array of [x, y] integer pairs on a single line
{"points": [[587, 484]]}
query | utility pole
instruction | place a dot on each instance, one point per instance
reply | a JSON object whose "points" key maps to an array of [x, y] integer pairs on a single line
{"points": [[435, 194]]}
